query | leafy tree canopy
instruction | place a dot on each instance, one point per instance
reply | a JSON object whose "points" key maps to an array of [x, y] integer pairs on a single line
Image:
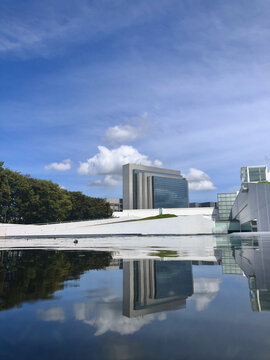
{"points": [[27, 200]]}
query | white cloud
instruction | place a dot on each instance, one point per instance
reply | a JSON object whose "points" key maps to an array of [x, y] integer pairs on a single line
{"points": [[110, 162], [199, 180], [109, 180], [62, 166], [122, 134], [52, 314]]}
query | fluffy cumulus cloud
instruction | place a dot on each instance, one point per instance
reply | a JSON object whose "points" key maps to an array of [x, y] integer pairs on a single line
{"points": [[109, 180], [109, 162], [61, 166], [199, 180], [122, 134]]}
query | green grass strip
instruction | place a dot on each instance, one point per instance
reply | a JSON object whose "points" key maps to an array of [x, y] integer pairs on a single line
{"points": [[163, 216]]}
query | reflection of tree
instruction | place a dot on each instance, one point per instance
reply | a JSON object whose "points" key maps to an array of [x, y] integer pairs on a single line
{"points": [[32, 275]]}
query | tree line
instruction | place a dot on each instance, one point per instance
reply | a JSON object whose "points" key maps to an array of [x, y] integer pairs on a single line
{"points": [[26, 200], [33, 275]]}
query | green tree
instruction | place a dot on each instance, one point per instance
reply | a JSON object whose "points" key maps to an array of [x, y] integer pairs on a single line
{"points": [[19, 196], [86, 207], [48, 203], [5, 197], [28, 201]]}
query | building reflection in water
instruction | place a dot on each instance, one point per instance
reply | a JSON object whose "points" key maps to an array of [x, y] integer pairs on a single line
{"points": [[255, 263], [151, 286], [249, 257]]}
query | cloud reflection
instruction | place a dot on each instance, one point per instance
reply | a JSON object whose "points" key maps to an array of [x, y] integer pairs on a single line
{"points": [[52, 314], [205, 291], [108, 317]]}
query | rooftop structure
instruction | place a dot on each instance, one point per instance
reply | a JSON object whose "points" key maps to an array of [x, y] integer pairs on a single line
{"points": [[254, 174], [147, 187]]}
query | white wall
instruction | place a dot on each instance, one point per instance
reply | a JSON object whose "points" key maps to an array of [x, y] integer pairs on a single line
{"points": [[193, 224], [141, 213]]}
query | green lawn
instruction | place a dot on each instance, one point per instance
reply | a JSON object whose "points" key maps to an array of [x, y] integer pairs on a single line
{"points": [[163, 216]]}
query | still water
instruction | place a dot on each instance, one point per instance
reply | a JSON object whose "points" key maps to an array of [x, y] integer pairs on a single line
{"points": [[207, 300]]}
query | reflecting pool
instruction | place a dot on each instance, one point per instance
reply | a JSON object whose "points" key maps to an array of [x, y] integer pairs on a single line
{"points": [[183, 298]]}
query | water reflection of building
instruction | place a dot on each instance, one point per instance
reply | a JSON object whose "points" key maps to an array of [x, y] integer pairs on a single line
{"points": [[151, 286], [255, 263], [250, 257], [227, 260], [115, 264]]}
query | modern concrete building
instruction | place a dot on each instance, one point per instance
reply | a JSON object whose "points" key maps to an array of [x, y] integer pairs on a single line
{"points": [[248, 209], [147, 187], [116, 204], [252, 205]]}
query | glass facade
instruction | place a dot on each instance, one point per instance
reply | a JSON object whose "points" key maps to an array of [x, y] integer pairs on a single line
{"points": [[225, 203], [244, 177], [135, 184], [166, 191], [253, 174], [169, 192], [135, 172], [257, 174]]}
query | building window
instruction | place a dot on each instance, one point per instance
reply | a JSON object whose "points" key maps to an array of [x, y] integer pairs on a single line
{"points": [[169, 193]]}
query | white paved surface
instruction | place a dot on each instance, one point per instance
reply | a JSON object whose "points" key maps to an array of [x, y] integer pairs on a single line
{"points": [[141, 213], [193, 224]]}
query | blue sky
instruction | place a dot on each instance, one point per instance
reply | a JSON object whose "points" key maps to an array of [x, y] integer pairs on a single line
{"points": [[89, 85]]}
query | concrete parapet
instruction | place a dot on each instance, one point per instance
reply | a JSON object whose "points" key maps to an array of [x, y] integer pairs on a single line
{"points": [[193, 224]]}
